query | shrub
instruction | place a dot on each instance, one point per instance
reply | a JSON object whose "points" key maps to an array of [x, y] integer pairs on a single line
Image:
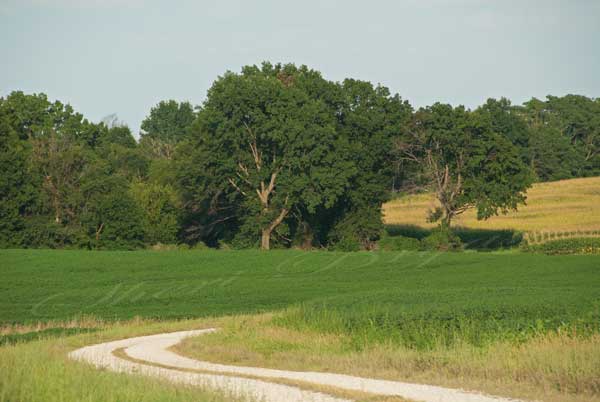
{"points": [[223, 245], [177, 247], [357, 230], [163, 247], [482, 239], [413, 231], [346, 243], [398, 243], [160, 211], [442, 239], [199, 246], [42, 232], [575, 245]]}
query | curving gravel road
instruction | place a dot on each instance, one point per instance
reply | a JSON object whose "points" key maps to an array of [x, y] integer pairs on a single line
{"points": [[153, 349]]}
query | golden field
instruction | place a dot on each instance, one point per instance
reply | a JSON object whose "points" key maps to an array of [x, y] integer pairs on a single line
{"points": [[566, 206]]}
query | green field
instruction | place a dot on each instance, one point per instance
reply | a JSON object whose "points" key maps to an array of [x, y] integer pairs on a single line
{"points": [[510, 323], [514, 289]]}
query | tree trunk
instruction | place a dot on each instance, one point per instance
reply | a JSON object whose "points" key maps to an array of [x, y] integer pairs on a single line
{"points": [[447, 220], [266, 238], [307, 236], [266, 232]]}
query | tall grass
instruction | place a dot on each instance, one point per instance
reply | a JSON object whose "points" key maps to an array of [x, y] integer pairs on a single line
{"points": [[39, 370], [370, 324], [555, 366]]}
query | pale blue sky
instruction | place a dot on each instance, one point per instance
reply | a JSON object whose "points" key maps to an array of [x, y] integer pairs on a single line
{"points": [[123, 56]]}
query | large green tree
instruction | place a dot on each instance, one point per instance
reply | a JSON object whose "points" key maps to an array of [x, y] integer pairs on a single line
{"points": [[469, 164], [268, 148]]}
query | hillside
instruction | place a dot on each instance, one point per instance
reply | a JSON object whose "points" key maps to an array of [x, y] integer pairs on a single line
{"points": [[567, 206]]}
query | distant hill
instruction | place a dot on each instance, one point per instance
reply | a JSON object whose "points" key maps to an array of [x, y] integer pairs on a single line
{"points": [[565, 208]]}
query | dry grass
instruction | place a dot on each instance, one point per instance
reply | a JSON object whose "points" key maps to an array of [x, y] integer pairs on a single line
{"points": [[562, 206], [554, 367], [81, 322], [41, 371]]}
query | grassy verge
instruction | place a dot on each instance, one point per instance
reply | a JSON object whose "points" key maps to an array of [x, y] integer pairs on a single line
{"points": [[40, 370], [551, 366]]}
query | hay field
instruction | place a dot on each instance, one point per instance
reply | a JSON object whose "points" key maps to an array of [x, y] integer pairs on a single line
{"points": [[557, 207]]}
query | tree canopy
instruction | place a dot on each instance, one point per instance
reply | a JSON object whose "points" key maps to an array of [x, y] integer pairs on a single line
{"points": [[269, 149], [167, 124], [276, 156]]}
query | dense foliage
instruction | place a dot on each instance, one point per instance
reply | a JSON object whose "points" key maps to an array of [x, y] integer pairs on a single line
{"points": [[277, 156], [279, 152], [67, 182]]}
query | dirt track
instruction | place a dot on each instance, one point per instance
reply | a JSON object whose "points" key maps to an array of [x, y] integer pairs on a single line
{"points": [[153, 349]]}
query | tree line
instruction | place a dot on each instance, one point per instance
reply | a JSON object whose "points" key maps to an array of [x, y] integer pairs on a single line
{"points": [[276, 156]]}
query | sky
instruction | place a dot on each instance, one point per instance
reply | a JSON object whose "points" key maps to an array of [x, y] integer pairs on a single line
{"points": [[123, 56]]}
